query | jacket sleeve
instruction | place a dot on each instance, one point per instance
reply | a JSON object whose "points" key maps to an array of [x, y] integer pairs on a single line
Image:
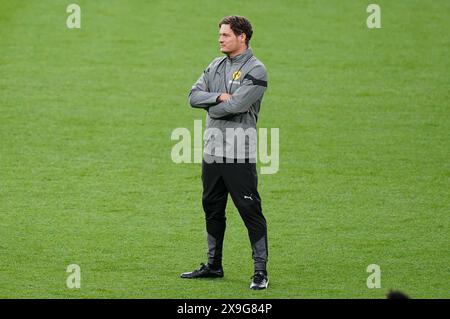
{"points": [[251, 90], [200, 95]]}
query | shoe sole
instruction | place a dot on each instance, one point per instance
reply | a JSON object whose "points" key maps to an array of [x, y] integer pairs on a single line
{"points": [[260, 288], [200, 277]]}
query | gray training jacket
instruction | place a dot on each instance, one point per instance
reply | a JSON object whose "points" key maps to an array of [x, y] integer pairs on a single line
{"points": [[240, 111]]}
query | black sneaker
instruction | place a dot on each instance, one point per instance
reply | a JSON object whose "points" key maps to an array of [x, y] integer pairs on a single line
{"points": [[204, 272], [259, 281]]}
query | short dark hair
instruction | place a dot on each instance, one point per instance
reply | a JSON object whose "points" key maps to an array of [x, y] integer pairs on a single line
{"points": [[239, 25], [396, 294]]}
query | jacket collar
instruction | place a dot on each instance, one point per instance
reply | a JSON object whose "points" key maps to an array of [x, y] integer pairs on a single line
{"points": [[241, 57]]}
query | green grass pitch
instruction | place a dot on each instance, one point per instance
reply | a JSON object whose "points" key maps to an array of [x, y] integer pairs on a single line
{"points": [[86, 175]]}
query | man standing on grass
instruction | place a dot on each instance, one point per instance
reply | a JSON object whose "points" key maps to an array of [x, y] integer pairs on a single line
{"points": [[231, 90]]}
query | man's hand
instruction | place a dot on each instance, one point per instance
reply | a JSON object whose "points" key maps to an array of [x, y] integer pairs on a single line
{"points": [[223, 97]]}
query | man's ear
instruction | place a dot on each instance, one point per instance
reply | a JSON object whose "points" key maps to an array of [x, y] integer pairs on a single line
{"points": [[243, 37]]}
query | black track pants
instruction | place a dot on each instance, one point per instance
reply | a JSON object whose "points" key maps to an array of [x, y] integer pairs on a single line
{"points": [[241, 181]]}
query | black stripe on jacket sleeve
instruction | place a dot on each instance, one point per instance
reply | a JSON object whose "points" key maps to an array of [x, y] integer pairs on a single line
{"points": [[256, 81]]}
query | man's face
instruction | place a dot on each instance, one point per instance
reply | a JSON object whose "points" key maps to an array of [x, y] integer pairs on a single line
{"points": [[229, 42]]}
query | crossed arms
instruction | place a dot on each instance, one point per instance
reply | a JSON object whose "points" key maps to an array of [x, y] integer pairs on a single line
{"points": [[222, 105]]}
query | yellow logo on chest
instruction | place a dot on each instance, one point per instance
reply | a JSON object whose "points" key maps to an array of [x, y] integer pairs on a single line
{"points": [[236, 75]]}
